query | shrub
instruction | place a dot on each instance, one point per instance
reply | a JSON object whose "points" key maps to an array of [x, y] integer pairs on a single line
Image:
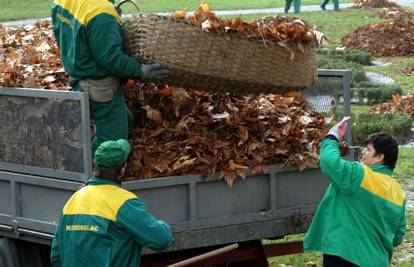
{"points": [[397, 124], [361, 57], [358, 72], [356, 56], [371, 93]]}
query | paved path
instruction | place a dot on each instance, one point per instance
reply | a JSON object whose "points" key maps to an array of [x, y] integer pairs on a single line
{"points": [[307, 8]]}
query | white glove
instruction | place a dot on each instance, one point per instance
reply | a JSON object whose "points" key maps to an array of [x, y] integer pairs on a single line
{"points": [[339, 129]]}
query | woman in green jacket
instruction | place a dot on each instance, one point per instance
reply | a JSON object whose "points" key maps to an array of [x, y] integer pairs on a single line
{"points": [[362, 215]]}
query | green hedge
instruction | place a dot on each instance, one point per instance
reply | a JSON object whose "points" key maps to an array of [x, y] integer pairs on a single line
{"points": [[353, 60], [359, 57], [362, 90], [371, 93], [397, 124], [358, 72]]}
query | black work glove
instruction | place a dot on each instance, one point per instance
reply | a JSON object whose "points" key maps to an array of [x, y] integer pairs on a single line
{"points": [[153, 72]]}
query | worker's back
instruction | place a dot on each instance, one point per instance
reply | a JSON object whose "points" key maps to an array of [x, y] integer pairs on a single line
{"points": [[105, 225]]}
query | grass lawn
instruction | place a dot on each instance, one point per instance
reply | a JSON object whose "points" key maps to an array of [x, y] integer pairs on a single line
{"points": [[404, 167], [394, 71], [168, 5], [403, 254], [23, 9], [298, 260], [359, 109]]}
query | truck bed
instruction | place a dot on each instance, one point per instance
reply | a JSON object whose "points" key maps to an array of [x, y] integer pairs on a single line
{"points": [[202, 212], [45, 157]]}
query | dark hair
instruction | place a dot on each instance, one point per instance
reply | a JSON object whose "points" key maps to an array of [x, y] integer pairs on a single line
{"points": [[107, 173], [384, 144]]}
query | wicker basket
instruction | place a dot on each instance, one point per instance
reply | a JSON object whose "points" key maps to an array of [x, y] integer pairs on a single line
{"points": [[217, 62]]}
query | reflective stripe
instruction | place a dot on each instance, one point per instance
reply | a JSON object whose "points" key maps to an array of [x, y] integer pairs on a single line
{"points": [[85, 10], [383, 186], [98, 200]]}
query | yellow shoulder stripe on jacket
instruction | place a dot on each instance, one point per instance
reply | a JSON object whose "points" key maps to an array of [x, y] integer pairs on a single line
{"points": [[85, 10], [98, 200], [383, 186]]}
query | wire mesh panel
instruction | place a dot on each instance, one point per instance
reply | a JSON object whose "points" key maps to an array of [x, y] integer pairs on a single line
{"points": [[44, 133], [331, 95]]}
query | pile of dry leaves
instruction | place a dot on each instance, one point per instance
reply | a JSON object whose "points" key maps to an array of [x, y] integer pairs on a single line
{"points": [[394, 38], [408, 71], [200, 132], [182, 132], [280, 30], [395, 13], [30, 58], [397, 104], [374, 4]]}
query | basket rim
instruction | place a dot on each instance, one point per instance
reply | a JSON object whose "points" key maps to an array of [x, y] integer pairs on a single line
{"points": [[233, 35]]}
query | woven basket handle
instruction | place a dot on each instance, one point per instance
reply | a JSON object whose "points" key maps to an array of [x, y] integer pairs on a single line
{"points": [[118, 6]]}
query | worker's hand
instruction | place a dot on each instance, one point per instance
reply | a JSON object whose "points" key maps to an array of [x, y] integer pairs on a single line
{"points": [[339, 129], [153, 72]]}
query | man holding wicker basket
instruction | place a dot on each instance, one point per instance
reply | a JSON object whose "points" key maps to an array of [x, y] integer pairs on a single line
{"points": [[89, 35]]}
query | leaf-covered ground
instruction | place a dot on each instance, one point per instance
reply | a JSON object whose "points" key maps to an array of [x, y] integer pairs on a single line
{"points": [[30, 58], [374, 4], [385, 39], [397, 104], [391, 38]]}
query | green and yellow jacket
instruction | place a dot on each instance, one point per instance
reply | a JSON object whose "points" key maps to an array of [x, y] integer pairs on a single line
{"points": [[362, 215], [88, 33], [105, 225]]}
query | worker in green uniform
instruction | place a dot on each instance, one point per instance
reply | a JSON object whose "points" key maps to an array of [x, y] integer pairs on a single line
{"points": [[335, 3], [362, 215], [103, 224], [296, 5], [89, 35]]}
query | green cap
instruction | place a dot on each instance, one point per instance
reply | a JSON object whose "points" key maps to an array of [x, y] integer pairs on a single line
{"points": [[111, 155]]}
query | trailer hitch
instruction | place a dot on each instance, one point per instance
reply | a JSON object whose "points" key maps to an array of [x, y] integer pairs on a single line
{"points": [[204, 256]]}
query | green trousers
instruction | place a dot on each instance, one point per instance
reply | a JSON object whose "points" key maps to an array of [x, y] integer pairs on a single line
{"points": [[112, 120], [296, 5], [335, 3]]}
